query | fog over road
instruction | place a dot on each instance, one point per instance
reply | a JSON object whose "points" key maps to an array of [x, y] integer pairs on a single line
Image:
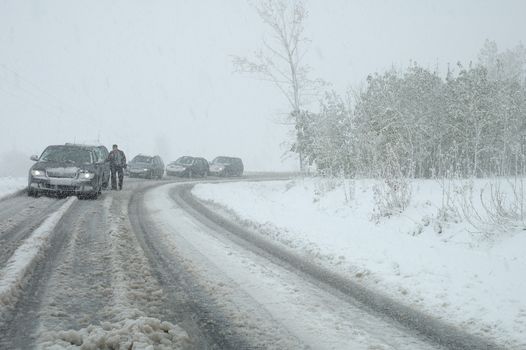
{"points": [[147, 262]]}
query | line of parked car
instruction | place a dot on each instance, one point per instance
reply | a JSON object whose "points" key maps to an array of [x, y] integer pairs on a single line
{"points": [[153, 167], [84, 170]]}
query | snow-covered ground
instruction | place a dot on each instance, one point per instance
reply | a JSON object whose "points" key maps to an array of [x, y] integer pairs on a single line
{"points": [[10, 185], [444, 254]]}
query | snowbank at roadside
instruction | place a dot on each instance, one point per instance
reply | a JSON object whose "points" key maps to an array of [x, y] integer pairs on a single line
{"points": [[11, 185], [142, 333], [426, 258]]}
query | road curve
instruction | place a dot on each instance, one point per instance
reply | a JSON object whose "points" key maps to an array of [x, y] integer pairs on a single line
{"points": [[155, 265], [433, 330]]}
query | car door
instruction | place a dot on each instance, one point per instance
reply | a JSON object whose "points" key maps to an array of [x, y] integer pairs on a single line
{"points": [[103, 154], [95, 161], [198, 166], [195, 166], [206, 167], [161, 167], [156, 165]]}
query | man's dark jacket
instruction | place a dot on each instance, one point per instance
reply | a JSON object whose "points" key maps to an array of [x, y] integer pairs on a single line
{"points": [[117, 159]]}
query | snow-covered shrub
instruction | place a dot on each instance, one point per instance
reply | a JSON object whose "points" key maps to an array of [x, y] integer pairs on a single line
{"points": [[392, 192], [505, 207], [325, 185], [498, 205], [349, 189]]}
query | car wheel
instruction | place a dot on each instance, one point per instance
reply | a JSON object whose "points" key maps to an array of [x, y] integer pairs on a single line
{"points": [[32, 193]]}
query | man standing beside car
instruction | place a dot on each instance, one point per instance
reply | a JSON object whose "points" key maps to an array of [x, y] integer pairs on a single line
{"points": [[117, 161]]}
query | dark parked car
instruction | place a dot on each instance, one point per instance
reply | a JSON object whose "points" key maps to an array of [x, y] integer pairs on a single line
{"points": [[70, 169], [147, 167], [226, 166], [188, 166]]}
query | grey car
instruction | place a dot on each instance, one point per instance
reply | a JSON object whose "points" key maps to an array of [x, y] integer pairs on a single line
{"points": [[69, 169], [188, 166], [147, 167], [226, 166]]}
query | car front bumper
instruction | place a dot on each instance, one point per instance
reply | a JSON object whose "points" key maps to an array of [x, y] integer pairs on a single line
{"points": [[62, 185]]}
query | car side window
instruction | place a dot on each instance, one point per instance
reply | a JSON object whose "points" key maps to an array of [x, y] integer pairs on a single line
{"points": [[100, 155], [93, 157], [96, 155], [104, 153]]}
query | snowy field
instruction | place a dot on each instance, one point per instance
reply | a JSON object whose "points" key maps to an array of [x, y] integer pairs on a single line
{"points": [[10, 185], [448, 253]]}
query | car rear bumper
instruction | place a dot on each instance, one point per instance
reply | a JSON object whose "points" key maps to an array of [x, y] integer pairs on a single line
{"points": [[144, 174], [176, 173]]}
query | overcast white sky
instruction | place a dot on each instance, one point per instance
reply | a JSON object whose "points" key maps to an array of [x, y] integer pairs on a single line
{"points": [[156, 76]]}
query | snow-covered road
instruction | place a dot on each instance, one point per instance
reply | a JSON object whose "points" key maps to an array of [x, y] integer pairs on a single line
{"points": [[144, 266]]}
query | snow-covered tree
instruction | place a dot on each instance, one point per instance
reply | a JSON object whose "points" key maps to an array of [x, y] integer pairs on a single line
{"points": [[507, 65], [280, 60]]}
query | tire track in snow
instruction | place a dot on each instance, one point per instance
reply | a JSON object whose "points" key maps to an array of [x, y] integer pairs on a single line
{"points": [[19, 218], [78, 287], [24, 258], [120, 304], [187, 303], [136, 292]]}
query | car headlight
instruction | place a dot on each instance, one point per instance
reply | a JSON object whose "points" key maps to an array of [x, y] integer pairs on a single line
{"points": [[86, 175], [38, 173], [144, 169]]}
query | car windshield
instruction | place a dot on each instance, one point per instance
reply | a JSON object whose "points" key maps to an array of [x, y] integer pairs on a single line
{"points": [[142, 159], [66, 155], [185, 161], [221, 160]]}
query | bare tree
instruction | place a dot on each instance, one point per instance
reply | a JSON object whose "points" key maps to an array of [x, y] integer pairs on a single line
{"points": [[280, 60]]}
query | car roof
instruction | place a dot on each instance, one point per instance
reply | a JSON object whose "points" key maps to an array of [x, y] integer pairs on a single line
{"points": [[71, 145], [228, 157], [83, 145]]}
